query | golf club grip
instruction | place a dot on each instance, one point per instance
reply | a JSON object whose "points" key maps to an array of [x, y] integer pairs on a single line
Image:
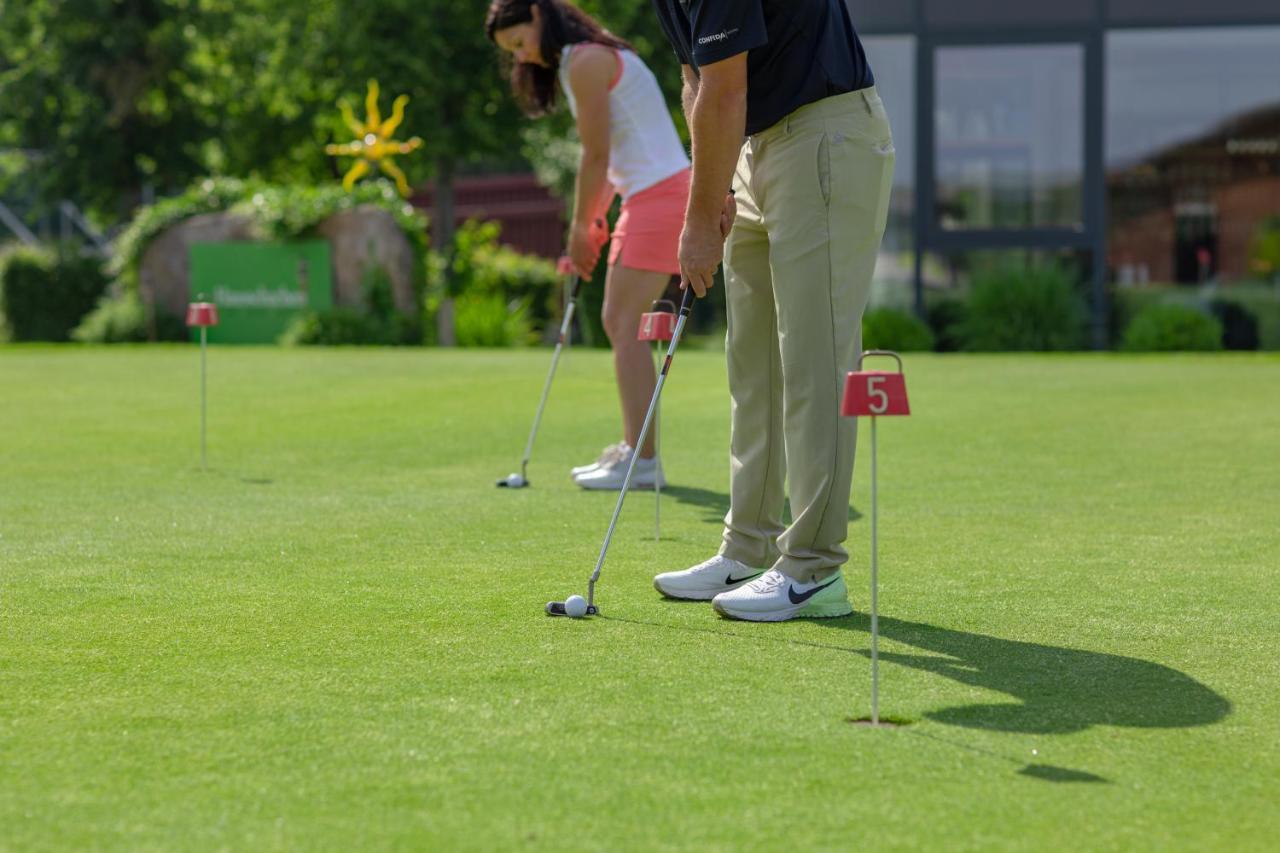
{"points": [[686, 301]]}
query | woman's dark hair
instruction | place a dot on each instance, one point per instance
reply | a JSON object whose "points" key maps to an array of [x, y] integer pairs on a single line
{"points": [[562, 23]]}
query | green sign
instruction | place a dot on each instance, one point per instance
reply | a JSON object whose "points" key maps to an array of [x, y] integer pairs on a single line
{"points": [[260, 287]]}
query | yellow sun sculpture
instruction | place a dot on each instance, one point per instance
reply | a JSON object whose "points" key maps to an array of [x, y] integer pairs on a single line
{"points": [[374, 145]]}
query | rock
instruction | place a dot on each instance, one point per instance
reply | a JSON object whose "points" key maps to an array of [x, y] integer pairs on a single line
{"points": [[359, 240], [165, 273], [363, 239]]}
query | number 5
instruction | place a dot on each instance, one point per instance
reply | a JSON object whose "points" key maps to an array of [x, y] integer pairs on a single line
{"points": [[879, 401]]}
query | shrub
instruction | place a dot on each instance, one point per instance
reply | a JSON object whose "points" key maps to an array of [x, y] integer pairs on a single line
{"points": [[946, 321], [1173, 328], [887, 328], [1012, 309], [501, 295], [1239, 326], [486, 320], [125, 319], [44, 293], [375, 322], [1265, 250], [1263, 302]]}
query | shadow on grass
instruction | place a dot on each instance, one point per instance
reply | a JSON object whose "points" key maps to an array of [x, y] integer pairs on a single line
{"points": [[716, 504], [1058, 690]]}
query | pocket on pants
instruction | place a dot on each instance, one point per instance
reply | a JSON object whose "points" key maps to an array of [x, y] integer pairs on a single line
{"points": [[824, 168]]}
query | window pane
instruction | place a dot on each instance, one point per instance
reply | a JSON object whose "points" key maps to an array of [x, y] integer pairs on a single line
{"points": [[1010, 136], [893, 61], [1193, 151]]}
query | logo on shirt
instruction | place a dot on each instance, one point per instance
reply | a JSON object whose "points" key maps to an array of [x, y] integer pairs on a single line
{"points": [[723, 35]]}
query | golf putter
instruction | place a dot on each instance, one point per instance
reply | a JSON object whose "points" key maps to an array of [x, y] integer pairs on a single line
{"points": [[658, 326], [686, 306], [520, 480]]}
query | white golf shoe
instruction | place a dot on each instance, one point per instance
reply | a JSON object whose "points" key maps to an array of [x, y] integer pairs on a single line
{"points": [[774, 597], [610, 475], [609, 454], [706, 580]]}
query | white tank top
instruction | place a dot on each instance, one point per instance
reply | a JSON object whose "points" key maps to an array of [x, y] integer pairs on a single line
{"points": [[644, 148]]}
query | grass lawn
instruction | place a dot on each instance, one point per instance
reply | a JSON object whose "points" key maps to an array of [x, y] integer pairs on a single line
{"points": [[335, 638]]}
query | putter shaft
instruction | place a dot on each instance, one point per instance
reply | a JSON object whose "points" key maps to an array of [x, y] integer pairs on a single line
{"points": [[551, 374], [686, 305]]}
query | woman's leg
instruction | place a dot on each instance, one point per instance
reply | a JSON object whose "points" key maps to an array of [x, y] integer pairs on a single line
{"points": [[628, 293]]}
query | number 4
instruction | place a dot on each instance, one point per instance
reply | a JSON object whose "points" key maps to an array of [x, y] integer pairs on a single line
{"points": [[879, 400]]}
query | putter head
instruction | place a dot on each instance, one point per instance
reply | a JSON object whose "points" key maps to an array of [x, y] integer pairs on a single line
{"points": [[556, 608], [512, 481]]}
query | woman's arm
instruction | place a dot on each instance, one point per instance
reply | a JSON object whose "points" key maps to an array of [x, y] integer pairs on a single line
{"points": [[591, 69]]}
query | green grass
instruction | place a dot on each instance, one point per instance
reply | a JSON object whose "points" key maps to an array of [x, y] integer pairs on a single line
{"points": [[335, 638]]}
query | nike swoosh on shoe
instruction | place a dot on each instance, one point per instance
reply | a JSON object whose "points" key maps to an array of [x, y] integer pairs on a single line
{"points": [[730, 580], [802, 597]]}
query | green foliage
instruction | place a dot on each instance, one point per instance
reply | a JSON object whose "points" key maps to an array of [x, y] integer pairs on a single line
{"points": [[502, 295], [1173, 328], [126, 319], [946, 321], [888, 328], [1239, 326], [45, 292], [1024, 309], [1266, 248], [1259, 302], [121, 95], [375, 322], [485, 320], [1263, 302]]}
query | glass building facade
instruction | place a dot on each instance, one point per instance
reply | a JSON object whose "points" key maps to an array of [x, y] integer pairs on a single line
{"points": [[1139, 138]]}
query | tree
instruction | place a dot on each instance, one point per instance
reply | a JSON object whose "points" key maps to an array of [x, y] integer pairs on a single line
{"points": [[91, 90]]}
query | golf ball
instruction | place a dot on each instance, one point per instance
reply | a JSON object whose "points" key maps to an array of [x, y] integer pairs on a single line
{"points": [[575, 606]]}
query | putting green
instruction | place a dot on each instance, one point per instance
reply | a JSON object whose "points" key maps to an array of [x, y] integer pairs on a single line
{"points": [[335, 636]]}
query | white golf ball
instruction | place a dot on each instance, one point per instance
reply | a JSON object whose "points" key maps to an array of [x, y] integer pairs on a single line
{"points": [[575, 606]]}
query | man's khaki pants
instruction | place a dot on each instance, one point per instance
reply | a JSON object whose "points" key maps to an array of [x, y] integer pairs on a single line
{"points": [[813, 195]]}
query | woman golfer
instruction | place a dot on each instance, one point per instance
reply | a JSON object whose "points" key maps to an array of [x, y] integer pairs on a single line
{"points": [[629, 146]]}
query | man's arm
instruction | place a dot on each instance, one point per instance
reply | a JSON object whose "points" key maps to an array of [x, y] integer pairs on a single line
{"points": [[717, 116], [689, 92]]}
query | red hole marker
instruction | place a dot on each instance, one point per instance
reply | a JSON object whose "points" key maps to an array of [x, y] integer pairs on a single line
{"points": [[875, 394], [202, 315]]}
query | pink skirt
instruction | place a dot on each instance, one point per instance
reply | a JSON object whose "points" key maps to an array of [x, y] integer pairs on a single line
{"points": [[647, 234]]}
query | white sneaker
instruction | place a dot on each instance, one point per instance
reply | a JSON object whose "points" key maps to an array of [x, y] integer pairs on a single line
{"points": [[706, 580], [609, 476], [774, 597], [607, 455]]}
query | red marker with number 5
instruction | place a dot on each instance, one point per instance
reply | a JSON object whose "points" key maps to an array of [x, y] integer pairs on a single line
{"points": [[875, 394]]}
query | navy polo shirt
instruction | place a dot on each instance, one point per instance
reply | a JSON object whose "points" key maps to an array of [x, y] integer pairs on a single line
{"points": [[798, 51]]}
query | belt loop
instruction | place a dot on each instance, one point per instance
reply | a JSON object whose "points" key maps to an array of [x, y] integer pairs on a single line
{"points": [[866, 102]]}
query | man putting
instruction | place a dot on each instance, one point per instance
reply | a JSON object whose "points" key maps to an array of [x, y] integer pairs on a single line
{"points": [[810, 195]]}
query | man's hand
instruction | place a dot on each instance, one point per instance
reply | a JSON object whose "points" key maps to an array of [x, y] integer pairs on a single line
{"points": [[728, 215], [701, 250]]}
